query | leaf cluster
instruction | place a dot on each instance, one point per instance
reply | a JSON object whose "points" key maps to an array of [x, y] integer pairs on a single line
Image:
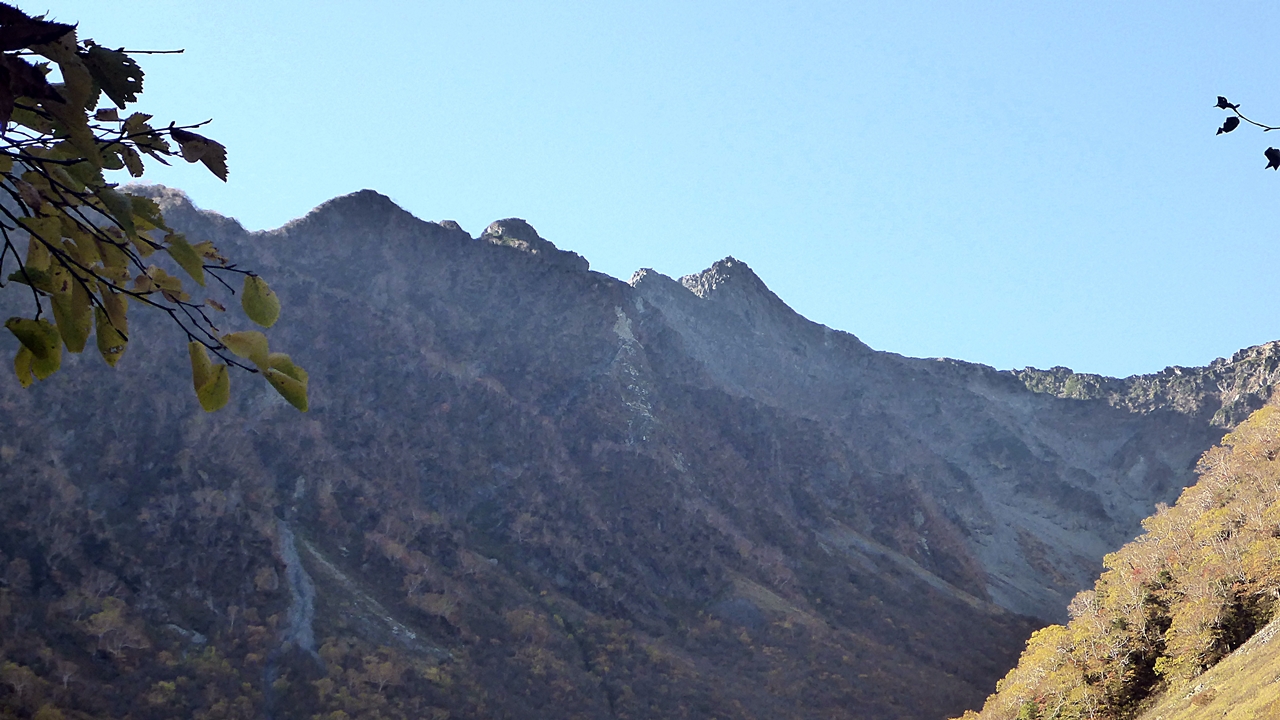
{"points": [[86, 249], [1203, 578], [1233, 121]]}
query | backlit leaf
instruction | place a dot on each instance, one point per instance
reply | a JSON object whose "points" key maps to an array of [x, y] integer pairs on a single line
{"points": [[259, 301], [289, 388]]}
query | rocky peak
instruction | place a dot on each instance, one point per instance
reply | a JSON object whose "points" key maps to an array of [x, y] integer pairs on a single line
{"points": [[518, 234], [724, 274]]}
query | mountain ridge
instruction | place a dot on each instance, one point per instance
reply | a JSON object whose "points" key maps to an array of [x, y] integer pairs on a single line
{"points": [[655, 498]]}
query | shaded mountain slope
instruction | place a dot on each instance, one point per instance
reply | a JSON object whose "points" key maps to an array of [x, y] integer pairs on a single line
{"points": [[526, 489]]}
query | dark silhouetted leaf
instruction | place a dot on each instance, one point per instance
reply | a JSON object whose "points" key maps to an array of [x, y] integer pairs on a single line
{"points": [[1229, 124], [116, 73], [19, 30], [1273, 159], [198, 148]]}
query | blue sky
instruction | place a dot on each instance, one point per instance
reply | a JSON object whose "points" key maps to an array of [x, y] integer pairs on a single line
{"points": [[1000, 182]]}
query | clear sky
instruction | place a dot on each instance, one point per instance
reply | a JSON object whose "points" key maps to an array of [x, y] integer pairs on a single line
{"points": [[1007, 183]]}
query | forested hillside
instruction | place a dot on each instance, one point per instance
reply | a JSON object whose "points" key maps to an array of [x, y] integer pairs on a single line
{"points": [[1202, 580]]}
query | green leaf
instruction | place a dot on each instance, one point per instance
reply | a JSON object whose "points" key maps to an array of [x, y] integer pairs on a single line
{"points": [[217, 391], [289, 388], [201, 368], [71, 310], [41, 338], [86, 174], [250, 344], [39, 279], [120, 207], [183, 254], [259, 301], [116, 73], [22, 366], [147, 214]]}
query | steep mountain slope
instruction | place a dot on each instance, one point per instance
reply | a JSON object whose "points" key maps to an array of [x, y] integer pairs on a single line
{"points": [[530, 490]]}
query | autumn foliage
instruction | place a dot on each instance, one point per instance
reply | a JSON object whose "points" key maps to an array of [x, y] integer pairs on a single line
{"points": [[1200, 582], [87, 249]]}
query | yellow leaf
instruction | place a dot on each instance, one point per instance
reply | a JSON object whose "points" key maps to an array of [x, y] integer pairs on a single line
{"points": [[259, 301], [284, 364], [37, 255], [48, 229], [289, 388], [217, 391], [111, 327], [71, 310], [117, 306], [201, 368], [186, 257], [22, 366], [250, 344]]}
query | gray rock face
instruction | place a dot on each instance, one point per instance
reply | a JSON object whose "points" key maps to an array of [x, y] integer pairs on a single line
{"points": [[1041, 484], [1036, 474]]}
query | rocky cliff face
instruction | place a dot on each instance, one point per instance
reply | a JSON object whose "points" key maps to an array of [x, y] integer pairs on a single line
{"points": [[532, 490]]}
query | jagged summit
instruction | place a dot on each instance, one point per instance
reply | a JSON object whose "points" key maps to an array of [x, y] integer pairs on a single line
{"points": [[729, 272]]}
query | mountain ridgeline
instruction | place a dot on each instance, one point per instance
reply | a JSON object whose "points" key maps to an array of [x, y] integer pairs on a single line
{"points": [[529, 490]]}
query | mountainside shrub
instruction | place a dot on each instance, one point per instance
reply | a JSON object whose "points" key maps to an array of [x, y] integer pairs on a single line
{"points": [[1202, 579]]}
